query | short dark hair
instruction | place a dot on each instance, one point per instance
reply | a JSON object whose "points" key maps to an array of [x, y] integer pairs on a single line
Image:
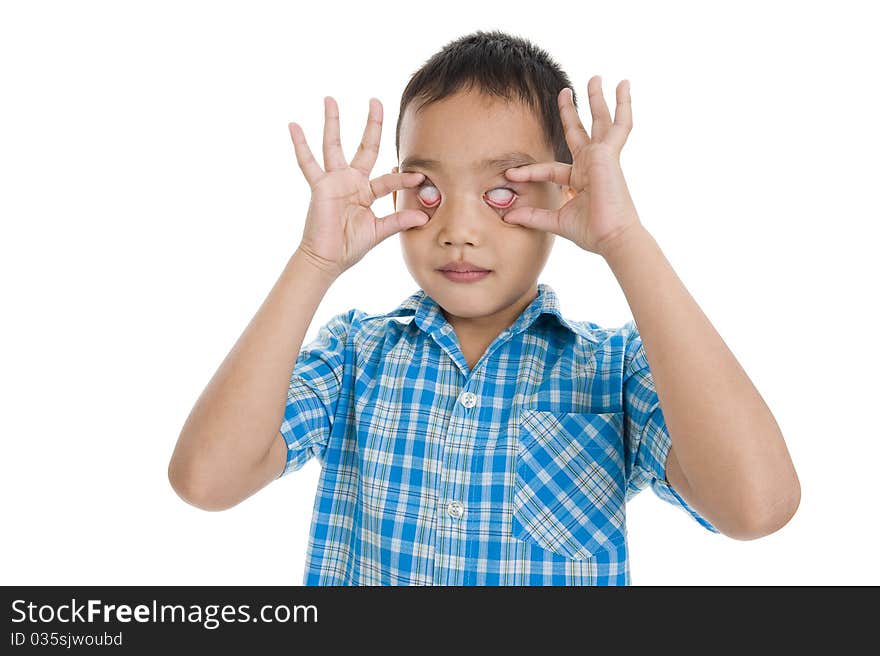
{"points": [[497, 64]]}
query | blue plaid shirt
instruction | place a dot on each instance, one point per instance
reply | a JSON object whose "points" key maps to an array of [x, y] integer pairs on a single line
{"points": [[514, 473]]}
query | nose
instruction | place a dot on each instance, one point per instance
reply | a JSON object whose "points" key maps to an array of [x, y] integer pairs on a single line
{"points": [[460, 219]]}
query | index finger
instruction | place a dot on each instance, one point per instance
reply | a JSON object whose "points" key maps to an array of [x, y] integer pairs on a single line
{"points": [[558, 172]]}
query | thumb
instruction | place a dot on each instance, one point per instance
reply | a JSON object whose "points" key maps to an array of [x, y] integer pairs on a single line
{"points": [[533, 217], [398, 221]]}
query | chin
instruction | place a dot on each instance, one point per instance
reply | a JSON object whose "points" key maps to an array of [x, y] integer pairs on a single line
{"points": [[476, 304]]}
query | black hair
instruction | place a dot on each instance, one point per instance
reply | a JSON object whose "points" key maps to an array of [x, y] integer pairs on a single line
{"points": [[497, 64]]}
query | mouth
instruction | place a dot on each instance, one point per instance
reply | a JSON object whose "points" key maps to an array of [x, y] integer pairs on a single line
{"points": [[464, 276], [462, 266]]}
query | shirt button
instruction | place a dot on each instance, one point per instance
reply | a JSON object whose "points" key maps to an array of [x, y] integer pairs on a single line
{"points": [[468, 399], [455, 509]]}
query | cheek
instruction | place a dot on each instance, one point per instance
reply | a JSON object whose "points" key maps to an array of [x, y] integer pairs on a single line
{"points": [[415, 242], [530, 249], [410, 248]]}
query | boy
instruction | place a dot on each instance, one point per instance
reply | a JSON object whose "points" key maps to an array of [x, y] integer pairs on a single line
{"points": [[474, 436]]}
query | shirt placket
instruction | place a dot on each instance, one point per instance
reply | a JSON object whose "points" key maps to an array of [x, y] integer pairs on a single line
{"points": [[450, 552]]}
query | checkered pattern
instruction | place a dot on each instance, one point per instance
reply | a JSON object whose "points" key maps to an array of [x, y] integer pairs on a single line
{"points": [[514, 473]]}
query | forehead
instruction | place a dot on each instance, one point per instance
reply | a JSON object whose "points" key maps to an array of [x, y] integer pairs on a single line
{"points": [[465, 131]]}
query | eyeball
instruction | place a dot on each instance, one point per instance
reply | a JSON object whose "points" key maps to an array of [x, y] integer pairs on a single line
{"points": [[503, 199], [429, 195]]}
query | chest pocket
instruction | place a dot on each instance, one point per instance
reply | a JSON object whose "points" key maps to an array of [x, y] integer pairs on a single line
{"points": [[569, 482]]}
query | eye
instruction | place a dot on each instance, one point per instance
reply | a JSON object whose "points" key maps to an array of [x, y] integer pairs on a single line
{"points": [[428, 194], [503, 199]]}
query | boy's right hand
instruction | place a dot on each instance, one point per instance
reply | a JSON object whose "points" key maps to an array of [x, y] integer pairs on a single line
{"points": [[340, 226]]}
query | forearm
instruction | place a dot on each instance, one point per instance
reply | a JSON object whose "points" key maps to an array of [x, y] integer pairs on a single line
{"points": [[727, 443], [237, 417]]}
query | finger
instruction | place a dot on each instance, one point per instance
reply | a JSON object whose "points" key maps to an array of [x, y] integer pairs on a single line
{"points": [[310, 168], [398, 221], [575, 134], [558, 172], [334, 158], [601, 115], [385, 184], [368, 151], [623, 121], [534, 217]]}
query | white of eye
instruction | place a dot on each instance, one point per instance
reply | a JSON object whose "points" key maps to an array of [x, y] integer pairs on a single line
{"points": [[500, 196], [429, 198], [504, 199]]}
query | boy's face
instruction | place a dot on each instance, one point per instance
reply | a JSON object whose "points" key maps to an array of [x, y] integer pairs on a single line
{"points": [[465, 202]]}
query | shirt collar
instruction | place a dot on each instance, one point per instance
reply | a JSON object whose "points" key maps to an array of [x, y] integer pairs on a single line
{"points": [[428, 317]]}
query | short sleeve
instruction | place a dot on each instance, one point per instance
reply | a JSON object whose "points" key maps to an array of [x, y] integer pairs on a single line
{"points": [[645, 432], [313, 393]]}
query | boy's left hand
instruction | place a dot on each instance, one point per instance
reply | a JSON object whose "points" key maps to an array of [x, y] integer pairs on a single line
{"points": [[601, 208]]}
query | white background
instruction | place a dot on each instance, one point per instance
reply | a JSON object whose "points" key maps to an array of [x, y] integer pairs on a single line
{"points": [[150, 197]]}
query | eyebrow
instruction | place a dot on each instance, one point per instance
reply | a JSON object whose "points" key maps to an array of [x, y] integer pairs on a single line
{"points": [[497, 163]]}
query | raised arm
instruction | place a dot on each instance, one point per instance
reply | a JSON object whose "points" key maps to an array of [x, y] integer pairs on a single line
{"points": [[230, 445]]}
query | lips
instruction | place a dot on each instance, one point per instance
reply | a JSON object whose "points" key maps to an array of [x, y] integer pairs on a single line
{"points": [[462, 266]]}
